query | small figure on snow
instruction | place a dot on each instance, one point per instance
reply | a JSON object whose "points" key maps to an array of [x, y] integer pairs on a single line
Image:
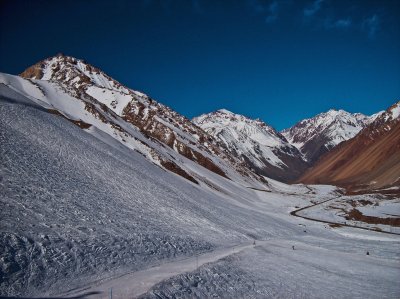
{"points": [[293, 247], [254, 243], [367, 252]]}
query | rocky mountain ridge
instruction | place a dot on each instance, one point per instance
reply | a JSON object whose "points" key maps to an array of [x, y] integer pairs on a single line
{"points": [[84, 94], [321, 133], [221, 143], [255, 143], [369, 161]]}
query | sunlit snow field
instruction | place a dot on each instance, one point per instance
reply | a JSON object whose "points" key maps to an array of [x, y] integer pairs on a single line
{"points": [[76, 207]]}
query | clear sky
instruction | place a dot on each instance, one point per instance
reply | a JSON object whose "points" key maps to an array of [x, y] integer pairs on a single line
{"points": [[280, 61]]}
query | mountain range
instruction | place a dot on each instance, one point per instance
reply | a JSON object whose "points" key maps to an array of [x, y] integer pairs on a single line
{"points": [[218, 144], [99, 104], [318, 135], [255, 143], [104, 189], [369, 161]]}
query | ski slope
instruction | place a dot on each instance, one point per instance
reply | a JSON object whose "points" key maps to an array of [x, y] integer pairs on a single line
{"points": [[273, 269], [78, 208], [138, 283]]}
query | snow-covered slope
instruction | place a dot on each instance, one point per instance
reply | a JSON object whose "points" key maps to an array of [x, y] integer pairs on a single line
{"points": [[317, 135], [78, 205], [82, 93], [84, 205], [255, 143]]}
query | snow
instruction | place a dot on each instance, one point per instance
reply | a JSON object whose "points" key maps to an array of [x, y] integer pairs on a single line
{"points": [[395, 111], [337, 209], [373, 117], [273, 269], [334, 126], [366, 235], [225, 111], [385, 209], [253, 139], [114, 100], [137, 283], [25, 87], [84, 210], [65, 185], [52, 95], [105, 101]]}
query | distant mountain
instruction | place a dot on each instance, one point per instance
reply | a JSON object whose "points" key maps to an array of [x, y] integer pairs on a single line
{"points": [[254, 142], [369, 161], [88, 97], [318, 135]]}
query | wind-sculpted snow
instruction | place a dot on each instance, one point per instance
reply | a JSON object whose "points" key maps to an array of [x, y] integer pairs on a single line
{"points": [[49, 261], [75, 207], [274, 270], [65, 215]]}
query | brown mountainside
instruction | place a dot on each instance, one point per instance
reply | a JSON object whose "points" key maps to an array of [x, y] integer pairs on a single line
{"points": [[369, 161]]}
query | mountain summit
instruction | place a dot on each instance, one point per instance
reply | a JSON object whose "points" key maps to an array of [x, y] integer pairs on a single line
{"points": [[317, 135], [369, 161], [255, 143], [87, 96]]}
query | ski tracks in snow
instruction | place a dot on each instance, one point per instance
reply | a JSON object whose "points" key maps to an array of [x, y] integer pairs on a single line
{"points": [[134, 284]]}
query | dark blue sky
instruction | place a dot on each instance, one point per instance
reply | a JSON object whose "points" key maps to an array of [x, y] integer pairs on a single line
{"points": [[280, 61]]}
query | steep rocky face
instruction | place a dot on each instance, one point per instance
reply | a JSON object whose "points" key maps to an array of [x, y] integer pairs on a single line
{"points": [[255, 143], [121, 108], [318, 135], [369, 161]]}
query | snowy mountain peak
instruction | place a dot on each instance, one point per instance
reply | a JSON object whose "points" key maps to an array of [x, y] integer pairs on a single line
{"points": [[253, 141], [73, 71], [224, 111], [340, 115], [84, 93], [315, 136], [222, 119], [83, 80], [383, 122], [334, 111], [394, 111], [370, 160]]}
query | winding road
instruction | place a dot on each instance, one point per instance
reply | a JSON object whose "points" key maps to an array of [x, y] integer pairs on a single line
{"points": [[294, 213]]}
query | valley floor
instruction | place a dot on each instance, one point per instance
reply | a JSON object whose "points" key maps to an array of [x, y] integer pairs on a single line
{"points": [[317, 262], [273, 269], [315, 268]]}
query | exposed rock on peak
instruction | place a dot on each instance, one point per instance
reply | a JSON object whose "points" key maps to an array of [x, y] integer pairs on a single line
{"points": [[369, 161], [254, 142], [317, 135], [120, 108]]}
